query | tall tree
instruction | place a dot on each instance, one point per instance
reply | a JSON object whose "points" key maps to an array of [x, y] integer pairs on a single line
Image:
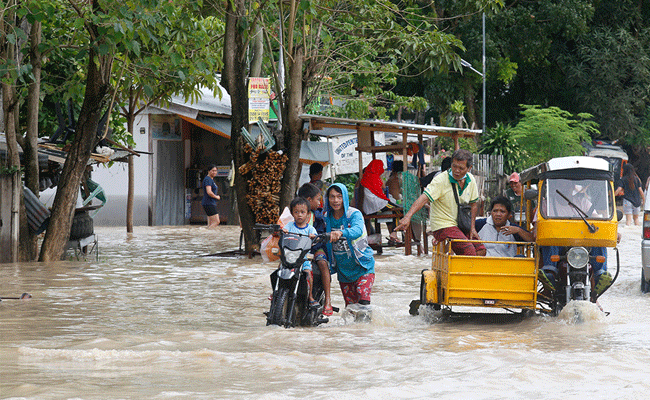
{"points": [[111, 29], [22, 60], [351, 50], [178, 62], [545, 133], [98, 87], [233, 79], [9, 58]]}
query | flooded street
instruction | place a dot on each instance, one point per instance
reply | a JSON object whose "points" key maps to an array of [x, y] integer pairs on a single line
{"points": [[155, 320]]}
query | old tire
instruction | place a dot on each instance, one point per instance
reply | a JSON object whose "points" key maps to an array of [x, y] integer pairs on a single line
{"points": [[82, 226]]}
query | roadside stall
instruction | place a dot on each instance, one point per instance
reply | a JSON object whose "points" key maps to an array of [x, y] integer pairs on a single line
{"points": [[367, 142]]}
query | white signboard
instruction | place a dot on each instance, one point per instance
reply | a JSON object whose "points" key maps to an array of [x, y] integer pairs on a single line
{"points": [[345, 157], [258, 99]]}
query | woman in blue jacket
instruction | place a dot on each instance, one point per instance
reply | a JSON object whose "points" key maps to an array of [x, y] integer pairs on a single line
{"points": [[351, 258]]}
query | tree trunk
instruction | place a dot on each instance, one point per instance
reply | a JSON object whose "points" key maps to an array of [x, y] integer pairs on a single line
{"points": [[258, 52], [131, 189], [293, 127], [28, 240], [130, 194], [95, 97], [9, 105], [233, 79]]}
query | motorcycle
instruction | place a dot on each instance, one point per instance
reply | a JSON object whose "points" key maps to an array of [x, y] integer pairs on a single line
{"points": [[577, 220], [575, 276], [290, 299]]}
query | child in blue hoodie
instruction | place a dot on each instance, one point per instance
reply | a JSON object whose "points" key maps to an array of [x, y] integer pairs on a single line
{"points": [[351, 258]]}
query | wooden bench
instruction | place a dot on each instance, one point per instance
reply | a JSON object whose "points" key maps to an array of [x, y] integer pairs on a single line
{"points": [[397, 214]]}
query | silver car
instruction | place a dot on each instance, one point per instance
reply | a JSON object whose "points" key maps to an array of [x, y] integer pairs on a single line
{"points": [[645, 248]]}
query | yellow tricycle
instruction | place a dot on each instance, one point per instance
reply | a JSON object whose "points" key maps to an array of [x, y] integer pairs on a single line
{"points": [[575, 221]]}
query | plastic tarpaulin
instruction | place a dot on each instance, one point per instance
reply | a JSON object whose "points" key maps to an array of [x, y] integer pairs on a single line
{"points": [[311, 152]]}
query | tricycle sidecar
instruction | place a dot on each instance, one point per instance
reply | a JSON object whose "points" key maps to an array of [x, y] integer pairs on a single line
{"points": [[500, 282]]}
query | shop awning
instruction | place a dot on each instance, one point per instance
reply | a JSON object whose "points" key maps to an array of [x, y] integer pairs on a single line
{"points": [[216, 125], [210, 124]]}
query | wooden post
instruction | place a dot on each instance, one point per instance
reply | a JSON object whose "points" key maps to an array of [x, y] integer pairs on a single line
{"points": [[15, 215], [360, 164], [405, 150]]}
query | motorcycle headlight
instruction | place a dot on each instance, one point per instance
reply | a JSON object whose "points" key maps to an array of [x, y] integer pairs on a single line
{"points": [[577, 257], [292, 256]]}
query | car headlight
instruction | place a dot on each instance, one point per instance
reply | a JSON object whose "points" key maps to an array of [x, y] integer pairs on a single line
{"points": [[578, 257], [292, 256]]}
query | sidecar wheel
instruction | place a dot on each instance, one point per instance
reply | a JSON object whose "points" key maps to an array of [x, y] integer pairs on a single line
{"points": [[645, 286]]}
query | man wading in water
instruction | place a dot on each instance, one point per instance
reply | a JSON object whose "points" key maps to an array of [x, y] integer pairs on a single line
{"points": [[444, 210]]}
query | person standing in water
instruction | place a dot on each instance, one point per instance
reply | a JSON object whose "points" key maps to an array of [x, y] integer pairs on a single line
{"points": [[444, 205], [210, 197], [351, 258], [630, 187]]}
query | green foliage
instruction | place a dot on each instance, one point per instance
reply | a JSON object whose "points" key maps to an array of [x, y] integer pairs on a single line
{"points": [[458, 107], [536, 37], [610, 72], [506, 70], [358, 50], [545, 133], [442, 86], [9, 170], [159, 47], [447, 144], [500, 140], [642, 138]]}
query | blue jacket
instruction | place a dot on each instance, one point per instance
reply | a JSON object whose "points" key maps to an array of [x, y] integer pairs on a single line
{"points": [[355, 234]]}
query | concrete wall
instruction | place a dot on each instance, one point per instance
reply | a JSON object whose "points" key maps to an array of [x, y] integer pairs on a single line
{"points": [[114, 211], [115, 182]]}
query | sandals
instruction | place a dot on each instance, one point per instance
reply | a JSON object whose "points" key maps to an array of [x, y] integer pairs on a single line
{"points": [[394, 241], [328, 311], [314, 303]]}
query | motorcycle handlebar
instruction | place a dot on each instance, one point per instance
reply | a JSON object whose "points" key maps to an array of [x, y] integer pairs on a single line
{"points": [[277, 228], [271, 227]]}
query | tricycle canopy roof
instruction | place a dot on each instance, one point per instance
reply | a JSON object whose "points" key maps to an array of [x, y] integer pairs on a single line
{"points": [[576, 167]]}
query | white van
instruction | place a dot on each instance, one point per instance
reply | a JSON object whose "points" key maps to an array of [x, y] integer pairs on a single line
{"points": [[615, 155], [645, 248]]}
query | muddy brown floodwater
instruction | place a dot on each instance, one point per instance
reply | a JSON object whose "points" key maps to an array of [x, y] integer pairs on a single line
{"points": [[152, 319]]}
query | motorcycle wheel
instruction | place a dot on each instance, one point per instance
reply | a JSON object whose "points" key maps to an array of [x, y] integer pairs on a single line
{"points": [[278, 306], [645, 286], [281, 311]]}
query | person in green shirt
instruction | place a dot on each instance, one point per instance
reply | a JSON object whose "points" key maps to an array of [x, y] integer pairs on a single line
{"points": [[444, 209]]}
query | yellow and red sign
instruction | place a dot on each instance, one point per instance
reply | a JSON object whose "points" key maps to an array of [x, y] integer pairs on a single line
{"points": [[259, 92]]}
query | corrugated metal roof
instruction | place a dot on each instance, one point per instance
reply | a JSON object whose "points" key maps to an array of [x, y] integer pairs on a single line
{"points": [[208, 103], [332, 126]]}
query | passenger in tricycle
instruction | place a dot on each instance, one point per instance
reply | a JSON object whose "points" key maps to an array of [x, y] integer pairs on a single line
{"points": [[498, 228]]}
